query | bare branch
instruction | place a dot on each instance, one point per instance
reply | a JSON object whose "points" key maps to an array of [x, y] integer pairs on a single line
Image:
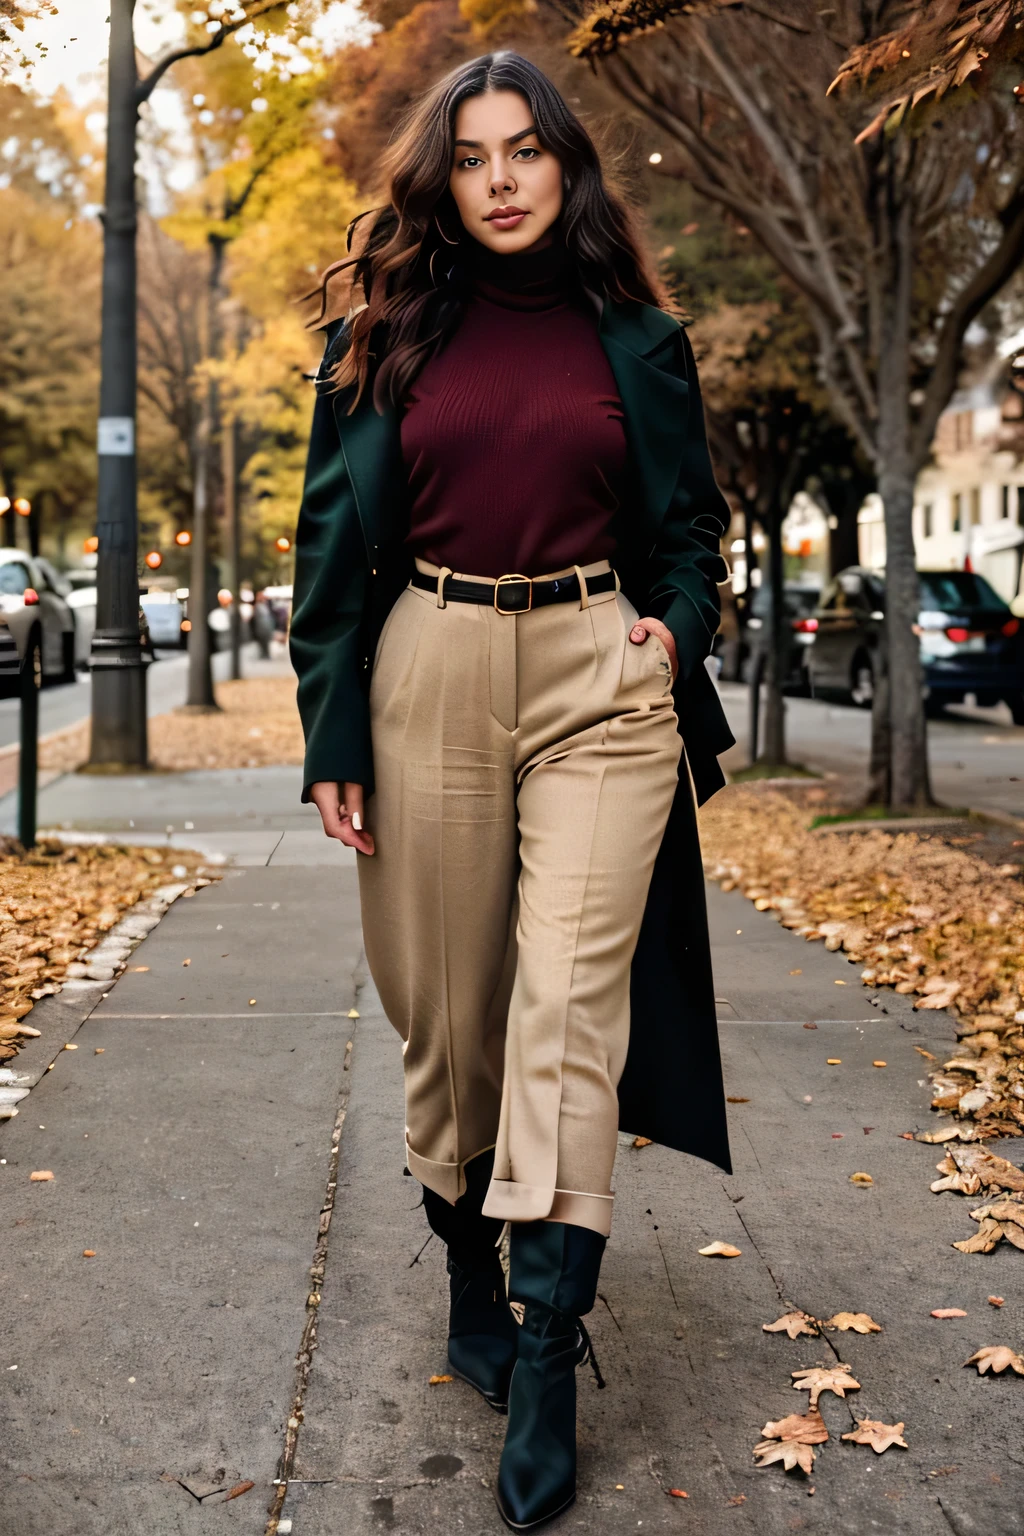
{"points": [[146, 86]]}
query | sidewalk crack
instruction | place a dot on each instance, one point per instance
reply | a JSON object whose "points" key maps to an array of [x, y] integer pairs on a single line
{"points": [[308, 1342]]}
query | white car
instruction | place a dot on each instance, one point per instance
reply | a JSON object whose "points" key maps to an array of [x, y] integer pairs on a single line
{"points": [[31, 593], [164, 614]]}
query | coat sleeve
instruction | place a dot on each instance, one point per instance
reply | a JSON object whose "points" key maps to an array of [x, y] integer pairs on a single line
{"points": [[326, 638], [686, 560]]}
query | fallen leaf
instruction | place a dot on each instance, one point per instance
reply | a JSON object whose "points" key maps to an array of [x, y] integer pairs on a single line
{"points": [[996, 1301], [138, 967], [797, 972], [996, 1358], [721, 1250], [42, 1176], [237, 1491], [678, 1493], [948, 1312], [861, 1178], [983, 1241], [834, 1061], [252, 1002], [99, 1050], [642, 1141], [737, 1498], [737, 1101], [879, 1436], [859, 1322], [88, 1253], [879, 1063], [792, 1323], [840, 983], [189, 962], [821, 1379], [810, 1025], [352, 1014], [437, 1381], [807, 1428], [790, 1452], [926, 1054]]}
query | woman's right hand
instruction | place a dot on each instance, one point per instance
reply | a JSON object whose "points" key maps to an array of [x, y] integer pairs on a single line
{"points": [[341, 811]]}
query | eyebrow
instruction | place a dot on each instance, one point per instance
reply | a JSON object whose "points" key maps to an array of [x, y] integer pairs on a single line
{"points": [[523, 133]]}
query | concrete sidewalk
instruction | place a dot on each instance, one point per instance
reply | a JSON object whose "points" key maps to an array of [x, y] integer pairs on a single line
{"points": [[203, 1152]]}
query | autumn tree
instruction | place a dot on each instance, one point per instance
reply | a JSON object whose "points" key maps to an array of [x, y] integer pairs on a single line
{"points": [[896, 243]]}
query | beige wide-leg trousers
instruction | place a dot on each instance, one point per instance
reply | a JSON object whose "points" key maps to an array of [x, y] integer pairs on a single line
{"points": [[525, 768]]}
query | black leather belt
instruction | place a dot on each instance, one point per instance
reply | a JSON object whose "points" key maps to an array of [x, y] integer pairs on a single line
{"points": [[516, 594]]}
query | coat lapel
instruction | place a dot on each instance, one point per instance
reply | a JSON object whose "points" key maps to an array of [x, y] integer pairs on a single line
{"points": [[373, 456], [641, 344]]}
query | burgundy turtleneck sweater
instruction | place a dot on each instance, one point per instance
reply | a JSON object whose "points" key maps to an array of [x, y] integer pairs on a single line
{"points": [[513, 435]]}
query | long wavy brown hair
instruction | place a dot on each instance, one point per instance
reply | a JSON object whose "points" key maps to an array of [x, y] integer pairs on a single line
{"points": [[409, 274]]}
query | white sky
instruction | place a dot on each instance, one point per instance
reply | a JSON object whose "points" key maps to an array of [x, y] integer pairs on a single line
{"points": [[76, 41]]}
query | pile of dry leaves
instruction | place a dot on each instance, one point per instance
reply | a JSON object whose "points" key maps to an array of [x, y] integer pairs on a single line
{"points": [[927, 918], [55, 904], [258, 727]]}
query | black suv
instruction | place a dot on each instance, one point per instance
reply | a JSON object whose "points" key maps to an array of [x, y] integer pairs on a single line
{"points": [[970, 640]]}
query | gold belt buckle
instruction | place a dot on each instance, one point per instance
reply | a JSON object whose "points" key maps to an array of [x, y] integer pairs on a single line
{"points": [[504, 581]]}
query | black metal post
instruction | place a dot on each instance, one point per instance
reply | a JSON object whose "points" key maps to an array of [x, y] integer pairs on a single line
{"points": [[119, 737], [229, 440], [30, 679]]}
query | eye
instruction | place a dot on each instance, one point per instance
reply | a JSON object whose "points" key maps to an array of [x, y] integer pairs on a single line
{"points": [[470, 161], [528, 150]]}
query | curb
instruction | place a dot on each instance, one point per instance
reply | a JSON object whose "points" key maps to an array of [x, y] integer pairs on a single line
{"points": [[69, 1008]]}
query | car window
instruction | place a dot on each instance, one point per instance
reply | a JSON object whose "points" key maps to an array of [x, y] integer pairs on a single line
{"points": [[830, 597], [54, 582], [13, 578], [951, 591]]}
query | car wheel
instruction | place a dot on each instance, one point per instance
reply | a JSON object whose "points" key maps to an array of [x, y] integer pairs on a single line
{"points": [[862, 682], [1016, 703]]}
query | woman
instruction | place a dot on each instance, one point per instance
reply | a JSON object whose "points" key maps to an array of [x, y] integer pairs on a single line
{"points": [[507, 466]]}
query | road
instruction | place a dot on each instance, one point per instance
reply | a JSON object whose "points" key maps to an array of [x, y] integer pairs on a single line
{"points": [[977, 756], [65, 704]]}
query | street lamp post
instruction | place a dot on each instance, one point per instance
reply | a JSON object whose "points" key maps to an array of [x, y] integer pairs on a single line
{"points": [[119, 738]]}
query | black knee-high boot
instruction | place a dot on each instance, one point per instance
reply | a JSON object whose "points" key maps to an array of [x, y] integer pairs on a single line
{"points": [[554, 1270], [481, 1330]]}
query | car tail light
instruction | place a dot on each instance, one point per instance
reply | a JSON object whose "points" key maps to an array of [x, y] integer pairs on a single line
{"points": [[1011, 627], [805, 626], [957, 634], [31, 596]]}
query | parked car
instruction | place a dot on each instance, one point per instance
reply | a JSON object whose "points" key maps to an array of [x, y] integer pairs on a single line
{"points": [[30, 593], [799, 604], [971, 642]]}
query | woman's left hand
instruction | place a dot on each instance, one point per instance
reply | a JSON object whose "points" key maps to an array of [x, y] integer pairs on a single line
{"points": [[644, 627]]}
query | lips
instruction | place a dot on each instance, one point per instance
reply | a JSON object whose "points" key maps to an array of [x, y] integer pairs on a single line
{"points": [[507, 217]]}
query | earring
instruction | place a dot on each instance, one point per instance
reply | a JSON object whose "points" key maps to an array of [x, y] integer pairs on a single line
{"points": [[441, 232], [430, 268]]}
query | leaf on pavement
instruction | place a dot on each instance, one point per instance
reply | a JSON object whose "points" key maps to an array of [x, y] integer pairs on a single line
{"points": [[879, 1436], [949, 1312], [642, 1141], [808, 1428], [861, 1178], [997, 1358], [983, 1241], [793, 1323], [720, 1250], [820, 1379], [41, 1176], [437, 1381], [790, 1452], [859, 1322], [237, 1491]]}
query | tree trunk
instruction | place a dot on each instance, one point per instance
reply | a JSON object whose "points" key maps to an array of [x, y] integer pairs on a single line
{"points": [[778, 649], [843, 500], [229, 442], [118, 670], [909, 786], [201, 698], [200, 668]]}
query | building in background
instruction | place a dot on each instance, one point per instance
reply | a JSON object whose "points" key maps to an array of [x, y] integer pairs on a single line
{"points": [[969, 506]]}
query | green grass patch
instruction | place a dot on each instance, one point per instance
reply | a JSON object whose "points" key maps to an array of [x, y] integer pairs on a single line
{"points": [[763, 770]]}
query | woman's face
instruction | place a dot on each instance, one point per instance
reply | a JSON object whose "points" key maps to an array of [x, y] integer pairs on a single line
{"points": [[506, 186]]}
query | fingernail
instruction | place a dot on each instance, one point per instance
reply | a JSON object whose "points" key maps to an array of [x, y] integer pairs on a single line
{"points": [[357, 821]]}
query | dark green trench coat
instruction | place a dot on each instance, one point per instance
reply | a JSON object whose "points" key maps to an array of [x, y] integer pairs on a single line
{"points": [[351, 564]]}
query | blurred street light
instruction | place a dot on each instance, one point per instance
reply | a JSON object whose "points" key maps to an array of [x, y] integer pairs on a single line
{"points": [[5, 504], [22, 506], [90, 545], [183, 538], [154, 559], [282, 545]]}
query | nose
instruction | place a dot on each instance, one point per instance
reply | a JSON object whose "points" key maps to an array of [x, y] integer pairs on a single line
{"points": [[501, 178]]}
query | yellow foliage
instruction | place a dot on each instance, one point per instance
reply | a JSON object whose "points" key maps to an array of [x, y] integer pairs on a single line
{"points": [[487, 16]]}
